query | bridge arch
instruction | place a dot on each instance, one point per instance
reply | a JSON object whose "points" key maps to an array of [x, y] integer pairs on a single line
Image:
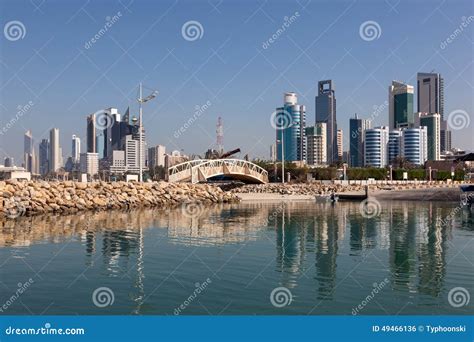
{"points": [[201, 170]]}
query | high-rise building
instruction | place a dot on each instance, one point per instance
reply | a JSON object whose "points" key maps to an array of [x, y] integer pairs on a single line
{"points": [[433, 124], [326, 112], [29, 156], [273, 152], [9, 162], [445, 137], [394, 144], [431, 100], [415, 145], [44, 157], [290, 135], [132, 153], [430, 93], [400, 103], [357, 128], [76, 149], [54, 150], [91, 134], [316, 145], [156, 156], [376, 147], [89, 163], [340, 143]]}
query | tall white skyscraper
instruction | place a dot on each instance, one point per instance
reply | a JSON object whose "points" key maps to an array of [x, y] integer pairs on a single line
{"points": [[54, 150], [316, 144], [29, 156], [376, 147], [76, 148]]}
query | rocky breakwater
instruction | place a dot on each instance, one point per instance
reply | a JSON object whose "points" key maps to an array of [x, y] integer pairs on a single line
{"points": [[20, 198], [312, 189]]}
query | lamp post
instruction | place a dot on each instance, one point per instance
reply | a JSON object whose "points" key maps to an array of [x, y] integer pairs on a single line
{"points": [[141, 100], [282, 141]]}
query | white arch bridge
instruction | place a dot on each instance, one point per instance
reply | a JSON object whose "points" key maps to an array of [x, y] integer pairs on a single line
{"points": [[201, 170]]}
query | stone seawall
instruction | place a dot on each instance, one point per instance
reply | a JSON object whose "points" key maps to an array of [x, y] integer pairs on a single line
{"points": [[37, 197]]}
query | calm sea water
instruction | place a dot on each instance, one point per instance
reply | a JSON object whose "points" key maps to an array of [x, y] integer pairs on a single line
{"points": [[316, 259]]}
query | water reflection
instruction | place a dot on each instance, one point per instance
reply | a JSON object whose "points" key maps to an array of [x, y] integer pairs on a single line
{"points": [[310, 241]]}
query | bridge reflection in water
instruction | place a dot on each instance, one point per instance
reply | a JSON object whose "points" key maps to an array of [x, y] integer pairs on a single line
{"points": [[409, 240]]}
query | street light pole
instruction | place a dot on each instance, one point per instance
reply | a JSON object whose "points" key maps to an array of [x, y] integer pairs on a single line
{"points": [[282, 156], [140, 127], [141, 156]]}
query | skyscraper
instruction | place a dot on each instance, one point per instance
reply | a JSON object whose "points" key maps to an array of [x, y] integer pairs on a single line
{"points": [[76, 149], [431, 100], [326, 112], [54, 150], [430, 93], [376, 147], [316, 145], [44, 157], [290, 121], [357, 128], [400, 102], [156, 156], [29, 156], [340, 143], [415, 145], [394, 144], [433, 124], [91, 134]]}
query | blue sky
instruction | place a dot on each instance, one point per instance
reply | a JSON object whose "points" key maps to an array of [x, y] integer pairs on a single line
{"points": [[226, 66]]}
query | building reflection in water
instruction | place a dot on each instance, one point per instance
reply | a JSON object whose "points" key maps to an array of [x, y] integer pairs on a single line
{"points": [[413, 237]]}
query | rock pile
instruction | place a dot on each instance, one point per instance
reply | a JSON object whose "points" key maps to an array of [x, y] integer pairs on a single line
{"points": [[297, 189], [37, 197]]}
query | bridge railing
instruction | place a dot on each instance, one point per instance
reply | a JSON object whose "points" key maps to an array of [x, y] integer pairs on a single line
{"points": [[196, 169]]}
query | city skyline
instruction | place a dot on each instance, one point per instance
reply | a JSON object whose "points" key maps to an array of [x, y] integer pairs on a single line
{"points": [[239, 85]]}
